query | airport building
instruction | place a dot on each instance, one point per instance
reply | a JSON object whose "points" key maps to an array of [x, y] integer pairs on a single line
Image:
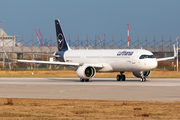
{"points": [[6, 40]]}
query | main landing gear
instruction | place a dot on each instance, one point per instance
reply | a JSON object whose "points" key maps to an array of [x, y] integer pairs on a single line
{"points": [[84, 80], [121, 77], [143, 79]]}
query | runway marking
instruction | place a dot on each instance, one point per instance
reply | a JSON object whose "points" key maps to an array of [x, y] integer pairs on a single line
{"points": [[62, 91]]}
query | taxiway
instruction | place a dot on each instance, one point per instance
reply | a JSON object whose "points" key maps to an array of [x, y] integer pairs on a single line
{"points": [[154, 89]]}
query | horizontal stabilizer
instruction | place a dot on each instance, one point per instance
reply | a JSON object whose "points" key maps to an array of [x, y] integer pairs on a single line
{"points": [[44, 55]]}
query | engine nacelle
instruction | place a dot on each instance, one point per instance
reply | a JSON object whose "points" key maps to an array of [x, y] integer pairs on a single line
{"points": [[138, 74], [86, 72]]}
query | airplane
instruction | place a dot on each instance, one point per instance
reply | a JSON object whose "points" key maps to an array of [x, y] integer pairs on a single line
{"points": [[87, 62]]}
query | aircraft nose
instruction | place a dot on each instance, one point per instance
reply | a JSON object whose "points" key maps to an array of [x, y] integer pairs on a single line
{"points": [[153, 64]]}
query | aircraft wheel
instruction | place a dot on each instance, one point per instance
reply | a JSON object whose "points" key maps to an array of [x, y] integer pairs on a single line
{"points": [[143, 79], [81, 80], [119, 77], [123, 77], [86, 80]]}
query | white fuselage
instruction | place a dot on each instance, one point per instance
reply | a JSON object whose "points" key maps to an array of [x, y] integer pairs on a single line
{"points": [[113, 60]]}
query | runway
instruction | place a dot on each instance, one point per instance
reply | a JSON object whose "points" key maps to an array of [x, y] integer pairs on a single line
{"points": [[154, 89]]}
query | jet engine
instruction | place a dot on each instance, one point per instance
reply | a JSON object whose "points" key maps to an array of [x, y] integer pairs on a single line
{"points": [[86, 72], [138, 74]]}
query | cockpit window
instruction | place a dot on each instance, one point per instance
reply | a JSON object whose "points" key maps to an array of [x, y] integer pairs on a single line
{"points": [[146, 56]]}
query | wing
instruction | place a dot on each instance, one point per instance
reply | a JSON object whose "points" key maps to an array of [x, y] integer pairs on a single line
{"points": [[164, 59], [168, 58], [60, 63]]}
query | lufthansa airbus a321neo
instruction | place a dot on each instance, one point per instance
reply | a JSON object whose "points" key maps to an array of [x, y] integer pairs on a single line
{"points": [[87, 62]]}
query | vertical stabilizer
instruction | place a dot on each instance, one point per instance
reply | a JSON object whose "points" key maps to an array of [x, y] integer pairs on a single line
{"points": [[61, 40]]}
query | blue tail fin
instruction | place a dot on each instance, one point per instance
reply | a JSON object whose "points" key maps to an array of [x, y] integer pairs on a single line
{"points": [[61, 40]]}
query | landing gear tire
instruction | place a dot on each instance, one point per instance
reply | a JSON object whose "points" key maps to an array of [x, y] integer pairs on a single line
{"points": [[143, 79], [123, 77], [81, 80], [119, 77], [86, 80]]}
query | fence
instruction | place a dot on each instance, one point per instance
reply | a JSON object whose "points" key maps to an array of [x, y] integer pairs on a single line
{"points": [[103, 44], [156, 46]]}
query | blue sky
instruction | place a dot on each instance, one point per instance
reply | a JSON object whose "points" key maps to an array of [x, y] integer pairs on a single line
{"points": [[92, 17]]}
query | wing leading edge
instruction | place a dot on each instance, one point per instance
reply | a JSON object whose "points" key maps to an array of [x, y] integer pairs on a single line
{"points": [[61, 63]]}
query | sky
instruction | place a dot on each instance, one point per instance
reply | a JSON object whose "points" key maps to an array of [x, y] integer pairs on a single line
{"points": [[92, 17]]}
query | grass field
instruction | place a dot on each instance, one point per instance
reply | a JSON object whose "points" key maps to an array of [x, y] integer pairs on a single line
{"points": [[23, 109], [69, 73]]}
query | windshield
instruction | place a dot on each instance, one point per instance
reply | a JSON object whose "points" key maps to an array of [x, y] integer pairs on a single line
{"points": [[146, 56]]}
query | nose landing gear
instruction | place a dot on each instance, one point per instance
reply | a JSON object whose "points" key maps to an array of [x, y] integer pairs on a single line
{"points": [[143, 79], [121, 77]]}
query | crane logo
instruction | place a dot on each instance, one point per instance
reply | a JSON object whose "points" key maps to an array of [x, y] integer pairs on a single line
{"points": [[60, 41]]}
